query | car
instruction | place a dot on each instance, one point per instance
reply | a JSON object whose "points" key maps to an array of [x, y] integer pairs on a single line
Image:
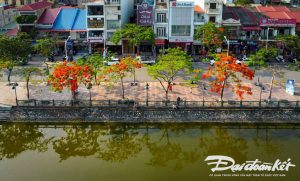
{"points": [[212, 62], [113, 61], [239, 61], [146, 59]]}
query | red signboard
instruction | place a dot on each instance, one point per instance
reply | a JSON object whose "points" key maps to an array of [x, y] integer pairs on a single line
{"points": [[277, 22]]}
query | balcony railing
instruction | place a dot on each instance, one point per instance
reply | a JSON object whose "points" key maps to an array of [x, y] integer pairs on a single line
{"points": [[213, 11], [112, 2]]}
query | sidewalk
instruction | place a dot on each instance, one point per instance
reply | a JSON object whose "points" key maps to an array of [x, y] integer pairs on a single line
{"points": [[138, 93]]}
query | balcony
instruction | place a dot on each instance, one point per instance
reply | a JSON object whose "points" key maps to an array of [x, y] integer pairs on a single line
{"points": [[213, 11], [112, 2], [159, 21]]}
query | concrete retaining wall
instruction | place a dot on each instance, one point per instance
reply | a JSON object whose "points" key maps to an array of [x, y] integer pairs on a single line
{"points": [[230, 115]]}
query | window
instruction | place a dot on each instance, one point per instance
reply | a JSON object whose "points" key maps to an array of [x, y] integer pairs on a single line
{"points": [[161, 32], [22, 2], [212, 19], [82, 35], [95, 22], [113, 24], [6, 2], [213, 6], [95, 10], [181, 30], [161, 17]]}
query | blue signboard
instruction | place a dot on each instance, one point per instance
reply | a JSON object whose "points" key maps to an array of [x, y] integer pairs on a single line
{"points": [[290, 87], [69, 44]]}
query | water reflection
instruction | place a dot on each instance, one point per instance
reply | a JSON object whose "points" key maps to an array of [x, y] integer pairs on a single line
{"points": [[166, 145], [16, 138]]}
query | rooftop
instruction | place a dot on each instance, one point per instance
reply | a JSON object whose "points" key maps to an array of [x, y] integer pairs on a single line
{"points": [[49, 16], [35, 6], [70, 19]]}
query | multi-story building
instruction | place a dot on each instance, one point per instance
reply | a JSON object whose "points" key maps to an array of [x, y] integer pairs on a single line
{"points": [[213, 10], [104, 17], [7, 14], [181, 24], [161, 23], [19, 2]]}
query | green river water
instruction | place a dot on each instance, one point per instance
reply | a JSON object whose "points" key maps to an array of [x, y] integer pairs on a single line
{"points": [[140, 152]]}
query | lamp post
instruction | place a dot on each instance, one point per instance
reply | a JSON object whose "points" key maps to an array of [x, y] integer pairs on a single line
{"points": [[227, 41], [66, 47], [261, 89], [147, 89], [14, 87], [204, 89]]}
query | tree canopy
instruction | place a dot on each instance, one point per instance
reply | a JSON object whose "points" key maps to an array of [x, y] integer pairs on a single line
{"points": [[210, 35], [168, 67], [134, 33], [45, 46]]}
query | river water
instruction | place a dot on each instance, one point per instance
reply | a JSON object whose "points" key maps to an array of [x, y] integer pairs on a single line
{"points": [[141, 152]]}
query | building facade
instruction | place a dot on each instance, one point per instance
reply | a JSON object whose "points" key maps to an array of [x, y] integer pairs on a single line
{"points": [[7, 14], [104, 17]]}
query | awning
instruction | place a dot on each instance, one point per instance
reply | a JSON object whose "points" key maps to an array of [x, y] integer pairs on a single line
{"points": [[251, 28], [160, 42]]}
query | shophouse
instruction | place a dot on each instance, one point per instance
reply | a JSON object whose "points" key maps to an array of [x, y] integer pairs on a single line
{"points": [[103, 18]]}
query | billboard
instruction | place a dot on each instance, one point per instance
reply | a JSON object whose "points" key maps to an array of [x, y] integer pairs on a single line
{"points": [[277, 22], [145, 14]]}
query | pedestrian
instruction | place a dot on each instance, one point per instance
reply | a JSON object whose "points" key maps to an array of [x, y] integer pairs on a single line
{"points": [[178, 101], [171, 87]]}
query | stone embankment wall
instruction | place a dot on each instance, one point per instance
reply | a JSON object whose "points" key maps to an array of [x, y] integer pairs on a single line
{"points": [[94, 114]]}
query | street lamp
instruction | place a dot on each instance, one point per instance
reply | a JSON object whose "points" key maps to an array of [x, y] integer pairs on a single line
{"points": [[147, 89], [14, 87], [204, 89], [66, 48], [261, 89], [227, 41]]}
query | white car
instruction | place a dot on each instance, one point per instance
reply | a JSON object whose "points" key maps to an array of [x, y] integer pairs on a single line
{"points": [[146, 60], [113, 61], [212, 62]]}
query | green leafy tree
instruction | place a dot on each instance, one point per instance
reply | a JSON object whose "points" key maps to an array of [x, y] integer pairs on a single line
{"points": [[210, 35], [15, 49], [169, 66], [45, 46], [9, 65], [134, 34], [242, 2], [260, 58], [95, 61], [291, 42], [26, 73]]}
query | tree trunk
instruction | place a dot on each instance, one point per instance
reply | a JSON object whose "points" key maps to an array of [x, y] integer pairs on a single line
{"points": [[73, 95], [134, 75], [271, 88], [223, 87], [27, 87], [123, 94], [167, 93], [95, 77], [9, 74]]}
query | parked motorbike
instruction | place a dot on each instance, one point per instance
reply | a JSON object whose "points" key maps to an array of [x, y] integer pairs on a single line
{"points": [[280, 59]]}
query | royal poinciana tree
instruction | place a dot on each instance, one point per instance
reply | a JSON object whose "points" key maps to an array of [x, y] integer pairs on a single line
{"points": [[95, 62], [132, 64], [227, 73], [70, 75], [169, 66]]}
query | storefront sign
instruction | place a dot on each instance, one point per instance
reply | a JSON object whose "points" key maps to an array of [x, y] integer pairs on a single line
{"points": [[182, 4], [290, 87], [277, 22], [95, 39], [144, 14], [181, 39]]}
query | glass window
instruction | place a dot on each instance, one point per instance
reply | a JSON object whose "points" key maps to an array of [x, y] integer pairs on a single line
{"points": [[213, 6], [95, 10], [181, 30], [161, 17], [161, 31], [212, 19]]}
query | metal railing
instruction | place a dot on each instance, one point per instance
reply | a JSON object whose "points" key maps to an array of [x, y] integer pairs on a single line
{"points": [[160, 104]]}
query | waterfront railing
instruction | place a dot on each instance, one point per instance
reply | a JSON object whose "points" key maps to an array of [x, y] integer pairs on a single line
{"points": [[160, 104]]}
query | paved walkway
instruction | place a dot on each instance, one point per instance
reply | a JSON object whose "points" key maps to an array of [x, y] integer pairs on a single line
{"points": [[156, 92]]}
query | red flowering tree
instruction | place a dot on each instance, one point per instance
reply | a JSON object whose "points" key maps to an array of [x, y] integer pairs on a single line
{"points": [[226, 70], [117, 72], [132, 64], [70, 75]]}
